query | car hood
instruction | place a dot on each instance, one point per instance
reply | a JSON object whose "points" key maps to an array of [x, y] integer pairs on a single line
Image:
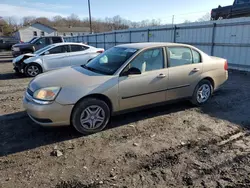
{"points": [[68, 77], [23, 57], [22, 44]]}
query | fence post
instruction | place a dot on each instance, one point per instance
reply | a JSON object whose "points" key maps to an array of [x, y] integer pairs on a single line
{"points": [[88, 39], [148, 35], [104, 36], [115, 37], [213, 38], [96, 40], [174, 40], [130, 38]]}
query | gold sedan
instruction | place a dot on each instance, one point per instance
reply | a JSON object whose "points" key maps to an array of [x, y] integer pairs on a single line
{"points": [[121, 79]]}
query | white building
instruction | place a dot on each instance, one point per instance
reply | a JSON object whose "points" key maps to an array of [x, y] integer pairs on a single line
{"points": [[38, 30], [72, 31]]}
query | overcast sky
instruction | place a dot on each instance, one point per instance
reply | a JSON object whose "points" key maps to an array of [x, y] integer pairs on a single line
{"points": [[134, 10]]}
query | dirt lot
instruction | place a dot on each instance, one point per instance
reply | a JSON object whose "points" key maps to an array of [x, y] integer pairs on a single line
{"points": [[171, 146]]}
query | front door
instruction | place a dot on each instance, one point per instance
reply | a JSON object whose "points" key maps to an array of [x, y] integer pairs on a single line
{"points": [[150, 86], [56, 58], [41, 43], [185, 68]]}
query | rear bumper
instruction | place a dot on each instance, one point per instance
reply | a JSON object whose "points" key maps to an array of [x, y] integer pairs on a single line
{"points": [[220, 80]]}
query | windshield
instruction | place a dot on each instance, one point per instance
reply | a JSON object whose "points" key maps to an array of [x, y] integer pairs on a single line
{"points": [[32, 39], [110, 61], [43, 49]]}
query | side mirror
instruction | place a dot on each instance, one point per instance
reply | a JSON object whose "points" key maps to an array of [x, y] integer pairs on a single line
{"points": [[46, 53], [131, 71]]}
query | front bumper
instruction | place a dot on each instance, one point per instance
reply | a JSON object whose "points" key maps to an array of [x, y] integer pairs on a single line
{"points": [[16, 53], [53, 114]]}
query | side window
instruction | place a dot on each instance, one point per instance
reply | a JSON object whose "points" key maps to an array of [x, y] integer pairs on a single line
{"points": [[41, 41], [47, 41], [149, 60], [56, 40], [77, 48], [196, 56], [179, 56], [34, 33], [242, 1], [59, 49], [42, 33]]}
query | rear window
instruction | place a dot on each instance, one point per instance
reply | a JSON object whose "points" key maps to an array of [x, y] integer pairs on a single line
{"points": [[77, 48]]}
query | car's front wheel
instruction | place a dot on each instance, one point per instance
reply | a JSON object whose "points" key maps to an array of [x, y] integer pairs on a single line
{"points": [[91, 115], [202, 93], [32, 70]]}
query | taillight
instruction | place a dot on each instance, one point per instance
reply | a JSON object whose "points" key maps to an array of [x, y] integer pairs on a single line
{"points": [[225, 65], [100, 51]]}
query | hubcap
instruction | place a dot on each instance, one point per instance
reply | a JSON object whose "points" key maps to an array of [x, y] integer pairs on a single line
{"points": [[203, 93], [92, 117], [33, 70]]}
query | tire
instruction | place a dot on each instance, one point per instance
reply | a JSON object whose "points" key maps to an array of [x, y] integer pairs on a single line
{"points": [[88, 110], [36, 70], [207, 87]]}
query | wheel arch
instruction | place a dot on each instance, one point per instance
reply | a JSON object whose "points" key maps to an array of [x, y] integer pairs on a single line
{"points": [[97, 96], [210, 80], [33, 63]]}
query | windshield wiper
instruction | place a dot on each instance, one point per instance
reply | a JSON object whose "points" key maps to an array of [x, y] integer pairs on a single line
{"points": [[92, 69]]}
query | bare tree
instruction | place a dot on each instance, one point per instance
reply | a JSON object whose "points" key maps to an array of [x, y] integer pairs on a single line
{"points": [[73, 20], [204, 18], [28, 20]]}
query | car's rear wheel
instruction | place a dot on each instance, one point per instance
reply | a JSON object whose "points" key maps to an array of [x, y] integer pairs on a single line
{"points": [[91, 115], [202, 93], [32, 70]]}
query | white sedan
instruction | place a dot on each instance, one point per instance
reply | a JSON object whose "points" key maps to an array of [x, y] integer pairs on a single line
{"points": [[55, 56]]}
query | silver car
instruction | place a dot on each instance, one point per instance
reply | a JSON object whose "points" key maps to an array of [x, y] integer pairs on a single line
{"points": [[123, 78], [55, 56]]}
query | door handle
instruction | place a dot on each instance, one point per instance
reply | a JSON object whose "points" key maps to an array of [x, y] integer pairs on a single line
{"points": [[161, 76], [196, 70]]}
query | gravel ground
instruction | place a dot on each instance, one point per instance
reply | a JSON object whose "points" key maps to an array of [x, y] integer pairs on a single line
{"points": [[175, 145]]}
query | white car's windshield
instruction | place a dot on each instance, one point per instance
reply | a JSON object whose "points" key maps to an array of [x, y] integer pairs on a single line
{"points": [[110, 61], [43, 49]]}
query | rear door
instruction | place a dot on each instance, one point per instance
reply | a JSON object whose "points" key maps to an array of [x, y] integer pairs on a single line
{"points": [[57, 58], [185, 68], [79, 54]]}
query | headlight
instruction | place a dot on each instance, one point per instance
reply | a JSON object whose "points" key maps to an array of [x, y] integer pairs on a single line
{"points": [[46, 94], [16, 49]]}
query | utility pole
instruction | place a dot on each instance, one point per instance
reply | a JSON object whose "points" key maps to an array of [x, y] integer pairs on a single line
{"points": [[173, 20], [90, 22]]}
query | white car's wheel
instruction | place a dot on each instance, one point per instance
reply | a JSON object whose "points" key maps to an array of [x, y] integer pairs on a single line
{"points": [[32, 70]]}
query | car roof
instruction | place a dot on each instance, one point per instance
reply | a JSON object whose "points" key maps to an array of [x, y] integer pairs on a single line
{"points": [[68, 43], [150, 45]]}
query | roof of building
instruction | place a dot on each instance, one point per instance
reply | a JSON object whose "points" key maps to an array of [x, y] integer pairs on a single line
{"points": [[34, 24], [62, 29], [72, 29]]}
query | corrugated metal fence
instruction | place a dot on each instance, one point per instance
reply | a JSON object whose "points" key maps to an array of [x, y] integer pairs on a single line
{"points": [[229, 39]]}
